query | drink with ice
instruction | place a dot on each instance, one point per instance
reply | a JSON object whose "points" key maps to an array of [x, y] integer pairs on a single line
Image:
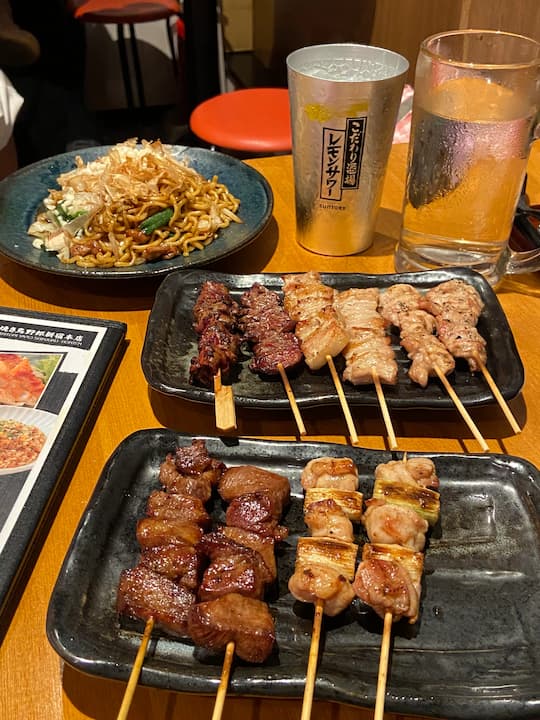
{"points": [[470, 139]]}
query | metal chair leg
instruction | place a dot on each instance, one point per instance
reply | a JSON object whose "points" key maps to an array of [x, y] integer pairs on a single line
{"points": [[137, 66], [124, 64]]}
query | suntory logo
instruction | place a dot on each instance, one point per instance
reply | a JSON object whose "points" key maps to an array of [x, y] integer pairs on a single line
{"points": [[342, 152]]}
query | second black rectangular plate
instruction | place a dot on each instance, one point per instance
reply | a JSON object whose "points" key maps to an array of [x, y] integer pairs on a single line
{"points": [[473, 653], [171, 342]]}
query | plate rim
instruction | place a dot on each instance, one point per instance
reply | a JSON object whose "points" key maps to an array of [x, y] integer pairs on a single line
{"points": [[146, 270]]}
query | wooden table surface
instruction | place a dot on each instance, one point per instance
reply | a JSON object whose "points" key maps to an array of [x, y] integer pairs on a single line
{"points": [[34, 682]]}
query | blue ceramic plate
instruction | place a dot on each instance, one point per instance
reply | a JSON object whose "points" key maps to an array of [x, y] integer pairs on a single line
{"points": [[22, 193], [474, 652]]}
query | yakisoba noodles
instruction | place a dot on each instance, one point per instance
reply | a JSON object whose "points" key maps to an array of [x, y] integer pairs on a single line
{"points": [[135, 204]]}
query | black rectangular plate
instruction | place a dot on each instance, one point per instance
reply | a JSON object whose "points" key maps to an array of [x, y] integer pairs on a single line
{"points": [[473, 653], [171, 342]]}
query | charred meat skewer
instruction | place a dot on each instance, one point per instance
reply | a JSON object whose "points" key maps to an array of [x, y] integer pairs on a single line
{"points": [[403, 507], [215, 322], [265, 324]]}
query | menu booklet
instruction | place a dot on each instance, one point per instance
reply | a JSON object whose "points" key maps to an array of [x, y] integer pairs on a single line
{"points": [[53, 372]]}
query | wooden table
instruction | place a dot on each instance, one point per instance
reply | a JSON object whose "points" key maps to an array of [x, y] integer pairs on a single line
{"points": [[34, 683]]}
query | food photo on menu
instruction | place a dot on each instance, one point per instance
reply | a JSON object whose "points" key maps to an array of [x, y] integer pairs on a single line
{"points": [[26, 414]]}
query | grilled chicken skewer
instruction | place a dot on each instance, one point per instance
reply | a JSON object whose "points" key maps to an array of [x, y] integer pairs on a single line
{"points": [[401, 306], [404, 505], [369, 357], [456, 306], [310, 305], [325, 561], [161, 588]]}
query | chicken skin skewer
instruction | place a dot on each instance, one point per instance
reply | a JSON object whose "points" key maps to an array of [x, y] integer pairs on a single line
{"points": [[369, 350], [310, 305]]}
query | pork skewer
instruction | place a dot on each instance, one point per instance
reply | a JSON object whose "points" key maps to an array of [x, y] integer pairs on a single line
{"points": [[403, 507], [368, 355], [256, 501], [325, 562], [276, 349], [215, 322], [310, 305], [159, 589], [456, 306], [401, 305]]}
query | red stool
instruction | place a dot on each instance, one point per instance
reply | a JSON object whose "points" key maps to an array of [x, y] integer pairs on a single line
{"points": [[253, 120], [129, 13]]}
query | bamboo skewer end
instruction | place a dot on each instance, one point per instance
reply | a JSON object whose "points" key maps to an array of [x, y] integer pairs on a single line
{"points": [[292, 400], [383, 667], [224, 681], [459, 405], [309, 687], [136, 671], [342, 400], [224, 404]]}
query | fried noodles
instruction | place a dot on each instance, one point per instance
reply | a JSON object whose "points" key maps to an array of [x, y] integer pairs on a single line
{"points": [[109, 212]]}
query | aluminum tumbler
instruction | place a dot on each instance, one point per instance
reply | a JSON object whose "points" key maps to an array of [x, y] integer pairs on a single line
{"points": [[344, 103]]}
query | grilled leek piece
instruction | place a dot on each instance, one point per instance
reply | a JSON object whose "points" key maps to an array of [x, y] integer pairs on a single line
{"points": [[336, 554], [424, 501], [350, 501]]}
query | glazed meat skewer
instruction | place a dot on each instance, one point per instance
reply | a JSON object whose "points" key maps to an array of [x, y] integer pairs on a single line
{"points": [[256, 499], [276, 349], [215, 322], [161, 586], [401, 305], [456, 306]]}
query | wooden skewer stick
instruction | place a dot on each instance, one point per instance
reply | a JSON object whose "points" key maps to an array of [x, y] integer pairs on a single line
{"points": [[292, 400], [224, 404], [135, 671], [224, 682], [498, 397], [342, 399], [383, 667], [464, 414], [312, 661], [384, 409]]}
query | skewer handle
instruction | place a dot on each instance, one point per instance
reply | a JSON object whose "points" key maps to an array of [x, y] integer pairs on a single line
{"points": [[384, 409], [135, 671], [383, 667], [342, 400], [498, 397], [292, 400], [312, 661], [224, 682], [464, 414], [224, 404]]}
